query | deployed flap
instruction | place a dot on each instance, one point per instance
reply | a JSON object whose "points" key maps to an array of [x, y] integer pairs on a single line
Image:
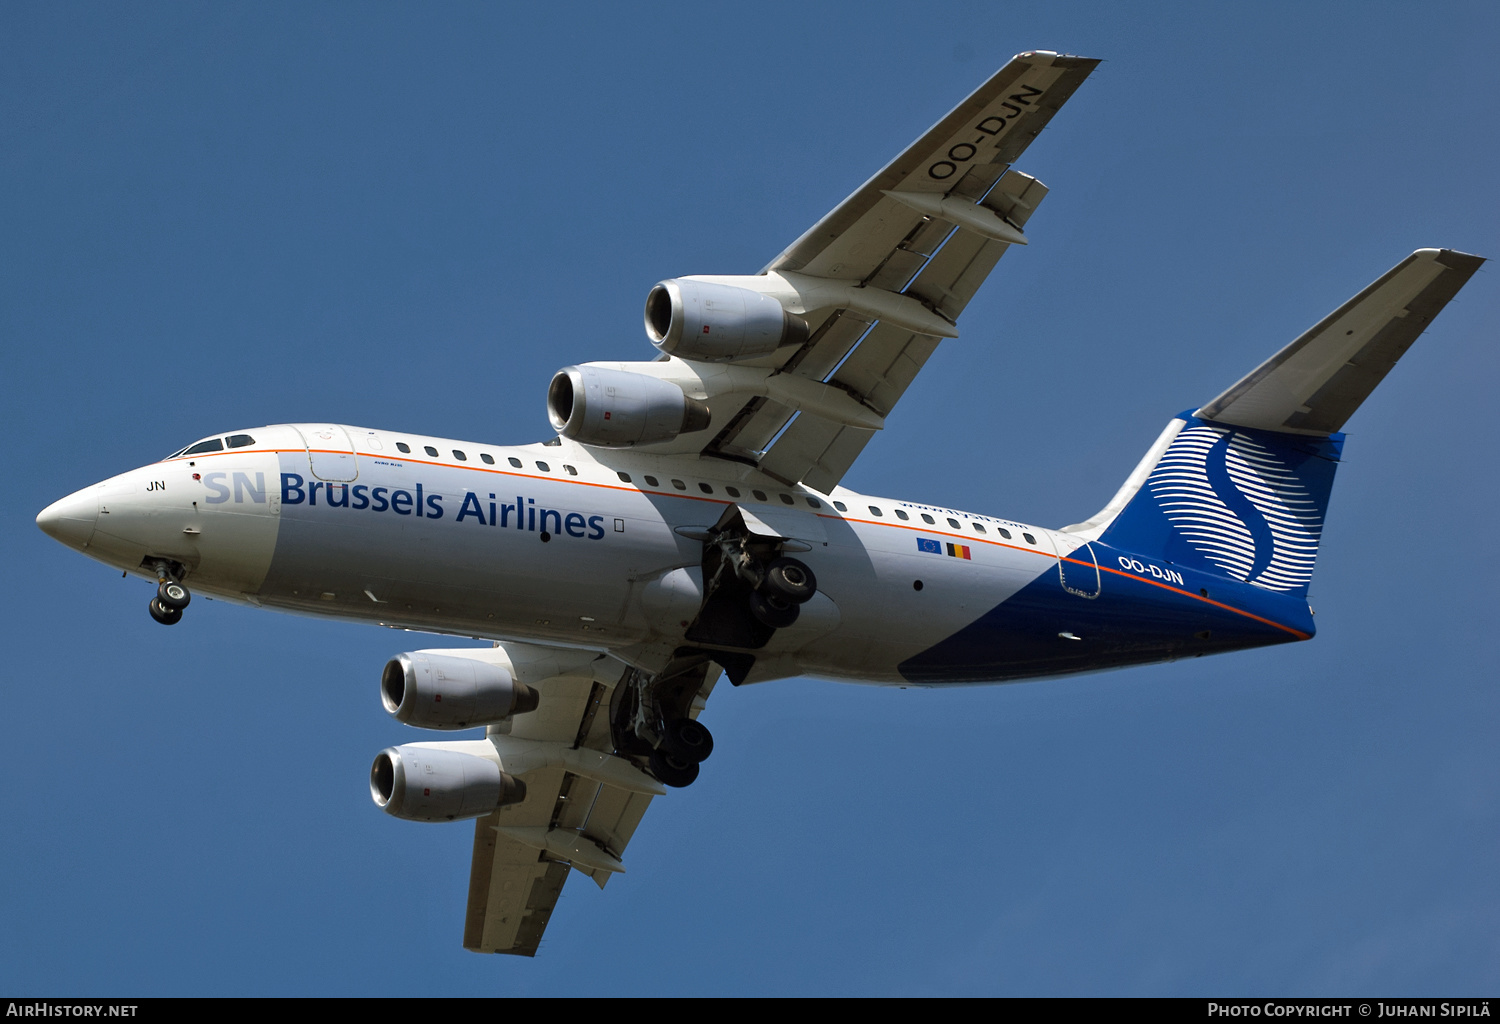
{"points": [[785, 524], [582, 807], [921, 235], [514, 885], [1314, 384]]}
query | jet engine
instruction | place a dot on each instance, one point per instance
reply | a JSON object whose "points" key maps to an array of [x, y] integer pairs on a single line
{"points": [[447, 690], [718, 322], [440, 782], [611, 408]]}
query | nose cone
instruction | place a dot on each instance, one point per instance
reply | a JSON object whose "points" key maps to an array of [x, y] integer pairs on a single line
{"points": [[72, 519]]}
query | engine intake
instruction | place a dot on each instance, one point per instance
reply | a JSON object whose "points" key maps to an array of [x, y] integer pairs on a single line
{"points": [[718, 322], [611, 408], [434, 782], [431, 690]]}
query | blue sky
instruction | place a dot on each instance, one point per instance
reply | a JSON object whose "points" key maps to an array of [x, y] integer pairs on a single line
{"points": [[219, 216]]}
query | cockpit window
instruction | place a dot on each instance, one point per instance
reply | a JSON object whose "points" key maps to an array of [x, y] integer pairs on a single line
{"points": [[238, 441], [213, 444]]}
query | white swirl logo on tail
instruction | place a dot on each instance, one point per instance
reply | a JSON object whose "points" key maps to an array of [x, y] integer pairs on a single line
{"points": [[1240, 505]]}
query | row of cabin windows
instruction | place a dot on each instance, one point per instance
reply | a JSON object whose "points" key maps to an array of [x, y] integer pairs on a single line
{"points": [[733, 492], [214, 444], [485, 457], [952, 523]]}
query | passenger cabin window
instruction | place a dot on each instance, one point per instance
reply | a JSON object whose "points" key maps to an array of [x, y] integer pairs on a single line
{"points": [[978, 527], [813, 503], [213, 444], [460, 456], [515, 462], [953, 523], [902, 515], [733, 492], [1029, 538], [759, 495], [786, 499], [544, 467], [624, 477], [430, 450], [876, 512], [402, 446], [239, 441], [679, 485], [705, 488], [1003, 532], [571, 470], [927, 519], [487, 458], [651, 481], [841, 506]]}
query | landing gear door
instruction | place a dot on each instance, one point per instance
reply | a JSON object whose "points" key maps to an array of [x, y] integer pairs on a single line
{"points": [[330, 453], [787, 525]]}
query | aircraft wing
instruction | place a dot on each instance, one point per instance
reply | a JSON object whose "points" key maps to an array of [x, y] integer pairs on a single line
{"points": [[569, 820], [915, 242]]}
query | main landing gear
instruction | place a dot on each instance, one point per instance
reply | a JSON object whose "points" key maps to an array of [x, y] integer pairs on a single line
{"points": [[649, 718], [171, 598]]}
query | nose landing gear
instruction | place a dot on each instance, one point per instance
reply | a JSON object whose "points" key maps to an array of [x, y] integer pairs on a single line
{"points": [[171, 598]]}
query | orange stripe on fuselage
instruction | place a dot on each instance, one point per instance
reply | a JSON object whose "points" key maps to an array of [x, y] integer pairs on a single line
{"points": [[719, 501]]}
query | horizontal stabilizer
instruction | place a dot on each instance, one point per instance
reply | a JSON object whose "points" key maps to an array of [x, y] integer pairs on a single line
{"points": [[1314, 384]]}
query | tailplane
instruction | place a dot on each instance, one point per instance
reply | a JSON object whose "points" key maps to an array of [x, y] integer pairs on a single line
{"points": [[1240, 487]]}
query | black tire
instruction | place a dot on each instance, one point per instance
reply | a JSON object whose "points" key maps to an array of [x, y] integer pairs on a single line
{"points": [[773, 610], [791, 579], [172, 594], [166, 616], [686, 740], [673, 771]]}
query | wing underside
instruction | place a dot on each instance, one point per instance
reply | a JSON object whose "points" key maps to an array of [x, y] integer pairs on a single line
{"points": [[524, 852], [928, 227]]}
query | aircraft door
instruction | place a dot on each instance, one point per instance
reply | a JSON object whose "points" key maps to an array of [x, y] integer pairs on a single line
{"points": [[1078, 572], [330, 453]]}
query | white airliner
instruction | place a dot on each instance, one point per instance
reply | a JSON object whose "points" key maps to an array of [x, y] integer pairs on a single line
{"points": [[688, 520]]}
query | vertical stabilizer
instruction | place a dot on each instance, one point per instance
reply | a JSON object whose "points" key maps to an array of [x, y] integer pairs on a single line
{"points": [[1248, 504], [1240, 487]]}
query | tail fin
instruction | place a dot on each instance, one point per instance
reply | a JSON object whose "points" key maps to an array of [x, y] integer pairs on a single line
{"points": [[1240, 487]]}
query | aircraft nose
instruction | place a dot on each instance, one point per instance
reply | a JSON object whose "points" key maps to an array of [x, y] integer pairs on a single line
{"points": [[71, 520]]}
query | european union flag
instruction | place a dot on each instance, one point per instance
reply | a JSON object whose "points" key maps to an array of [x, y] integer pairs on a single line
{"points": [[932, 547]]}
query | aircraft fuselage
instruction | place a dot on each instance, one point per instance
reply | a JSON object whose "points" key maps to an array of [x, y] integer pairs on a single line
{"points": [[574, 546]]}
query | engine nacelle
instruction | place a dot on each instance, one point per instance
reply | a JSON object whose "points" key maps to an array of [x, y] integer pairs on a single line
{"points": [[718, 322], [444, 690], [436, 782], [612, 408]]}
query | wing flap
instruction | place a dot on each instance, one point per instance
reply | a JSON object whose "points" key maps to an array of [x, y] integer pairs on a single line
{"points": [[523, 852], [514, 885], [892, 242], [512, 891], [888, 358]]}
